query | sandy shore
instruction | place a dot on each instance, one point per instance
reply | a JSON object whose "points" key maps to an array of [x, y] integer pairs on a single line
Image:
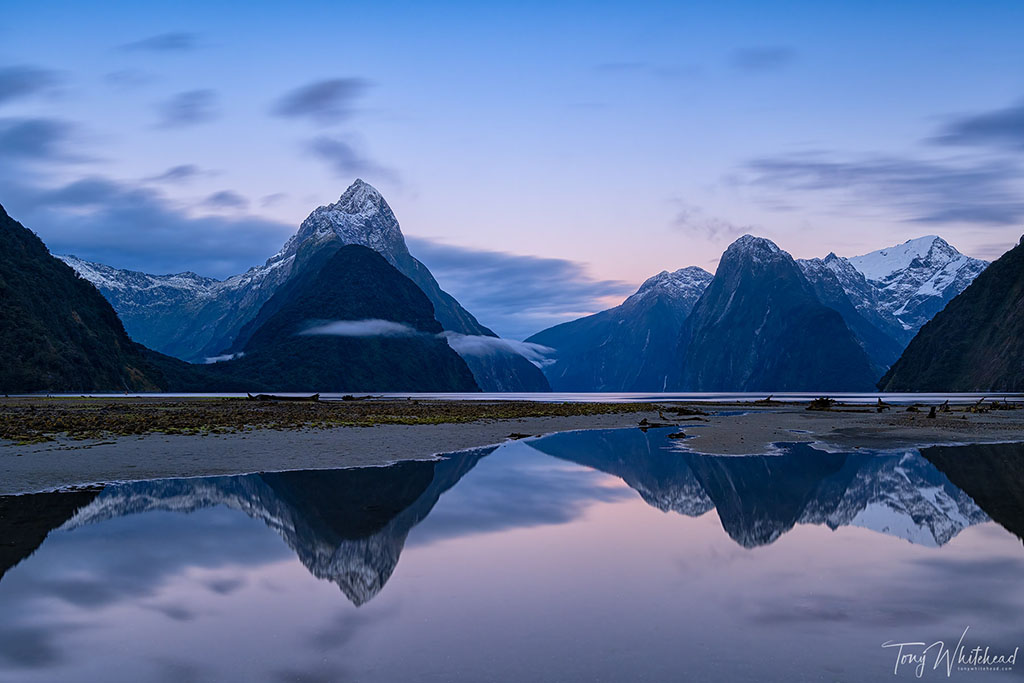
{"points": [[67, 462]]}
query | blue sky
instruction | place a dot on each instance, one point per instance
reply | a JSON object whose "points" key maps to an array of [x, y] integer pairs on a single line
{"points": [[582, 146]]}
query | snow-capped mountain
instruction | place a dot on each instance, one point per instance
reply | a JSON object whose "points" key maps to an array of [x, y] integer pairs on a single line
{"points": [[345, 526], [629, 347], [916, 279], [760, 498], [759, 326], [194, 318]]}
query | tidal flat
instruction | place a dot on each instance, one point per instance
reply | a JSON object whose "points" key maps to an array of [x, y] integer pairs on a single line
{"points": [[48, 443]]}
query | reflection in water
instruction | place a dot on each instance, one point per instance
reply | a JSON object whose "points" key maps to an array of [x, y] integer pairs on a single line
{"points": [[523, 562], [346, 526], [759, 498]]}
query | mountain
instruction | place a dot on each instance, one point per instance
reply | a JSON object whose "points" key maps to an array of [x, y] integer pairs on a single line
{"points": [[760, 498], [392, 341], [26, 521], [759, 327], [194, 318], [346, 526], [976, 343], [916, 279], [838, 285], [58, 333], [629, 347], [992, 474]]}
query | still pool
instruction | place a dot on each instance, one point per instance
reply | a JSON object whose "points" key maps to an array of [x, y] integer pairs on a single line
{"points": [[611, 555]]}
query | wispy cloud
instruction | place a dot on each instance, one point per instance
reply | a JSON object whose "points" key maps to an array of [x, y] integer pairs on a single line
{"points": [[694, 220], [763, 58], [515, 294], [37, 139], [372, 327], [24, 81], [1000, 129], [323, 102], [345, 160], [188, 109], [176, 174], [984, 192], [478, 345], [175, 41], [226, 199], [135, 226]]}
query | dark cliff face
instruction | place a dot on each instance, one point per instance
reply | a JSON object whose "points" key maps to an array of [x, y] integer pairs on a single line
{"points": [[57, 332], [629, 347], [759, 327], [394, 345], [976, 343]]}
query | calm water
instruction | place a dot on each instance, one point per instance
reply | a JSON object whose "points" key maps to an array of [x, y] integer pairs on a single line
{"points": [[634, 397], [588, 556]]}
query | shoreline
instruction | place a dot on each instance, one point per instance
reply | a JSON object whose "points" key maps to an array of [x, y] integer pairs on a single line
{"points": [[284, 442]]}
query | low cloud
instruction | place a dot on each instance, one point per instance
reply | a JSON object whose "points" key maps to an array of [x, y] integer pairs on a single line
{"points": [[517, 295], [175, 41], [24, 81], [763, 58], [322, 102], [361, 328], [188, 109], [477, 345], [210, 360], [1000, 129]]}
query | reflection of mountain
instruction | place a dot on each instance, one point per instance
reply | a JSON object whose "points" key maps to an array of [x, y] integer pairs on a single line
{"points": [[26, 520], [759, 498], [346, 526], [992, 474]]}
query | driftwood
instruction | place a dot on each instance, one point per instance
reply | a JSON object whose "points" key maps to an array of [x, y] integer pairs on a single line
{"points": [[275, 397]]}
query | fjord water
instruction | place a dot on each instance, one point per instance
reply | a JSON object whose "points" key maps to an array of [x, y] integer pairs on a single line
{"points": [[601, 555]]}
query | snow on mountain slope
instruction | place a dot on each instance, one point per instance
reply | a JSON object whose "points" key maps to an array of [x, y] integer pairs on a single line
{"points": [[916, 279]]}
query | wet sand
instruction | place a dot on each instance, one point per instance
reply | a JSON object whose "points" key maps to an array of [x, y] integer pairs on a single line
{"points": [[66, 462]]}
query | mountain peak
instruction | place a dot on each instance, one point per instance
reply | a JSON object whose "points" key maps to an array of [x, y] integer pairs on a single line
{"points": [[359, 198], [884, 263], [752, 249]]}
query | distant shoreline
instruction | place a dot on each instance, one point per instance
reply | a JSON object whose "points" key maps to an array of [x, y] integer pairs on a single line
{"points": [[53, 443]]}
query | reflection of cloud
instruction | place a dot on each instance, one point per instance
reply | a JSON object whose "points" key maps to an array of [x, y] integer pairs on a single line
{"points": [[907, 598], [520, 489], [32, 647], [175, 41], [361, 328], [323, 102], [763, 58], [188, 108], [516, 294]]}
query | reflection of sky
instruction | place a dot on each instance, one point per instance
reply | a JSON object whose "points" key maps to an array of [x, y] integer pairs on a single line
{"points": [[528, 568]]}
